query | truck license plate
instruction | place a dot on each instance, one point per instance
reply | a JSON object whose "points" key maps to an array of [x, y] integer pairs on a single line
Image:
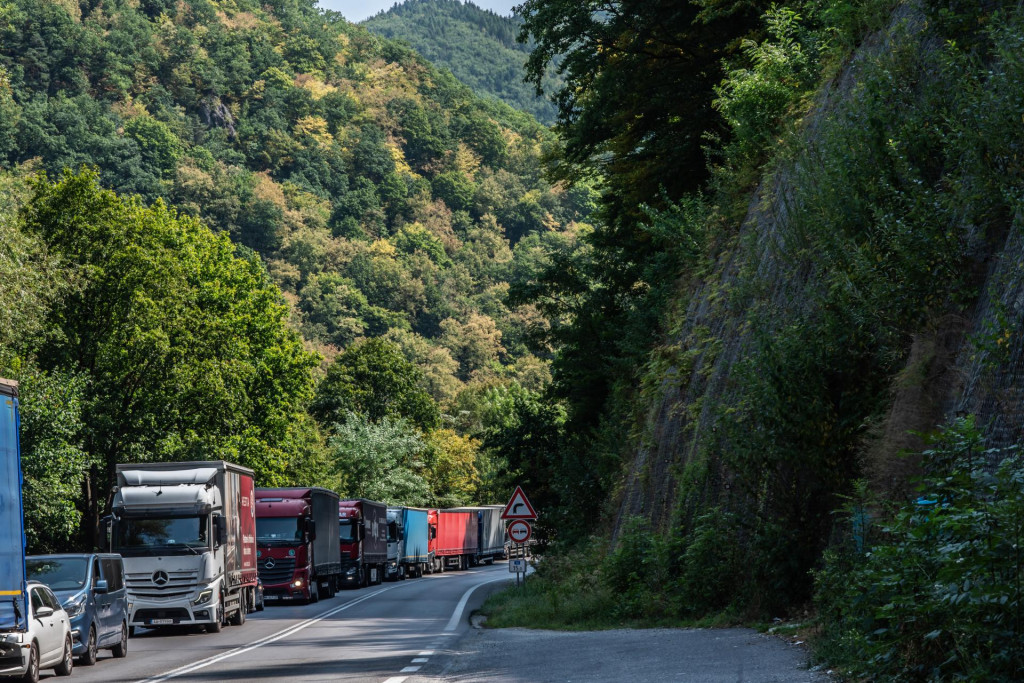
{"points": [[160, 622]]}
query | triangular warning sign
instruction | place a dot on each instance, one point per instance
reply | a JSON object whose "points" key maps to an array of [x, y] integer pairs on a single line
{"points": [[519, 507]]}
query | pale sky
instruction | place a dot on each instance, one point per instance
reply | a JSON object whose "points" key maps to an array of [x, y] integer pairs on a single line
{"points": [[357, 10]]}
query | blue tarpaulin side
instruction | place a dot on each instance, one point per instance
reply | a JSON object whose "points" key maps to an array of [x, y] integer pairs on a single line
{"points": [[12, 529], [414, 547]]}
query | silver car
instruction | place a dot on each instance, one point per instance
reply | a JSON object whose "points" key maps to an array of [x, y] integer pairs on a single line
{"points": [[45, 644]]}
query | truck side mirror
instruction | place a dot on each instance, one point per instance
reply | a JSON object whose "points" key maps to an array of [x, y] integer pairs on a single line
{"points": [[311, 528], [107, 532], [220, 530], [433, 532]]}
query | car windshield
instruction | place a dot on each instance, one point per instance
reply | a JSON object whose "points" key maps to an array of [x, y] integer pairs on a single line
{"points": [[66, 574], [278, 529], [163, 535], [346, 530]]}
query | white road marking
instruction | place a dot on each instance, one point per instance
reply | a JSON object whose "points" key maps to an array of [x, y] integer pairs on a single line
{"points": [[396, 679], [203, 663], [420, 660], [426, 653], [457, 614], [409, 670]]}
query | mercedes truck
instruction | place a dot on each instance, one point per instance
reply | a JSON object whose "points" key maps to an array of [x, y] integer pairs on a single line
{"points": [[363, 541], [297, 548], [187, 533]]}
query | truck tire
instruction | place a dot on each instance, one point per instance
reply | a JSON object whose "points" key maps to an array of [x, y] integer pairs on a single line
{"points": [[238, 618], [217, 624], [314, 593]]}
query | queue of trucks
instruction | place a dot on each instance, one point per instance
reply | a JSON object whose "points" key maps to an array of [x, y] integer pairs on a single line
{"points": [[196, 543]]}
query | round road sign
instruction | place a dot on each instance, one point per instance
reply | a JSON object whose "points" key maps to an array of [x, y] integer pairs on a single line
{"points": [[519, 531]]}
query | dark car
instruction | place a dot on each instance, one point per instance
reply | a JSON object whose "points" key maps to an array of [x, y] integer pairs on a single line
{"points": [[91, 590]]}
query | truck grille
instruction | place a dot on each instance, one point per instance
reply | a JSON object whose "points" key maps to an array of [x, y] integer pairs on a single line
{"points": [[281, 570], [166, 585]]}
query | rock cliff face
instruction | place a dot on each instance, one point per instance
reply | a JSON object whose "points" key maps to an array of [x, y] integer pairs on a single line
{"points": [[962, 358]]}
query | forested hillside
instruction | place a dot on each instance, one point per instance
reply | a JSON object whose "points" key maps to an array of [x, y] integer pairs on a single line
{"points": [[804, 292], [271, 196], [478, 46]]}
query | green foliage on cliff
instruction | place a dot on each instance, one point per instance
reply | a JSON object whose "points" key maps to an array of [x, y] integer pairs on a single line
{"points": [[764, 358], [478, 46]]}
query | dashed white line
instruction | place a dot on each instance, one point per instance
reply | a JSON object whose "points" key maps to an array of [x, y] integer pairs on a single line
{"points": [[409, 670], [203, 663], [396, 679], [426, 653], [420, 660]]}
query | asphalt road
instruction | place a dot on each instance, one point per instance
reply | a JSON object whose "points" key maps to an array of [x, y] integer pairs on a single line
{"points": [[418, 631], [370, 634]]}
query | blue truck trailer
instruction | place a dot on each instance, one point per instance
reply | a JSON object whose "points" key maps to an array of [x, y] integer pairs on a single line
{"points": [[413, 537], [13, 605]]}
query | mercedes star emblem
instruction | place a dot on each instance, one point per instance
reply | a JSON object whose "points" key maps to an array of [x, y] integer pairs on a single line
{"points": [[270, 564], [160, 577]]}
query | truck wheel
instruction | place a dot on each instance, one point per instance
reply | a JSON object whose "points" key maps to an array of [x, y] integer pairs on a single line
{"points": [[88, 657], [380, 574], [217, 624], [314, 593], [238, 618], [121, 649]]}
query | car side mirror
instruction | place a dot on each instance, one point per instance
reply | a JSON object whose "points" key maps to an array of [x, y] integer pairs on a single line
{"points": [[44, 612], [101, 586]]}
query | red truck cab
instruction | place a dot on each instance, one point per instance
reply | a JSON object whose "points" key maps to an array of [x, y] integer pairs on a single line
{"points": [[294, 564], [363, 540]]}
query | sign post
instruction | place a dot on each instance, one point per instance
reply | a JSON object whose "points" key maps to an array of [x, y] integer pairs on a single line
{"points": [[520, 512]]}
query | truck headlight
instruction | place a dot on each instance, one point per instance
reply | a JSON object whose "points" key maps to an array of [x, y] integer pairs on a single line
{"points": [[297, 583], [75, 606], [14, 637], [352, 571], [204, 597]]}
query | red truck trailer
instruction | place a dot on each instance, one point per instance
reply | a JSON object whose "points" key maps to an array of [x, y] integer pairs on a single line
{"points": [[454, 538], [363, 540], [296, 539]]}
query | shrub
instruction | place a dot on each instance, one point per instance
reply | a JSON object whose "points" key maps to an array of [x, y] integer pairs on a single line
{"points": [[939, 597]]}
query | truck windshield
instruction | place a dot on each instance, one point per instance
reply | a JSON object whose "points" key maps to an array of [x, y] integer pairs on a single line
{"points": [[278, 529], [170, 535], [392, 532], [60, 575], [346, 530]]}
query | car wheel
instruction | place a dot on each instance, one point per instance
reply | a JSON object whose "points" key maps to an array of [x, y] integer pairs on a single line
{"points": [[67, 664], [88, 657], [121, 649], [32, 671]]}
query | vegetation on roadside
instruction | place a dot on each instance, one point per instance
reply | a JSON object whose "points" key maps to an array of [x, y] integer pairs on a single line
{"points": [[895, 187]]}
